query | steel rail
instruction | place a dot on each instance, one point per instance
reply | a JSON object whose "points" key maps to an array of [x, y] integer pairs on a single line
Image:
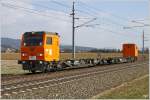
{"points": [[63, 80], [26, 78]]}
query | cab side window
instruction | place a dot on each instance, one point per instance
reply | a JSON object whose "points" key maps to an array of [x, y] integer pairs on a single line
{"points": [[49, 40]]}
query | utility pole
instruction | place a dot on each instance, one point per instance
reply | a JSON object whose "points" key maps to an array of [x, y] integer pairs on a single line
{"points": [[73, 31], [74, 27], [143, 38], [143, 34]]}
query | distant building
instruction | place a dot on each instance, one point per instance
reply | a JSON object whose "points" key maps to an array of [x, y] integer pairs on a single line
{"points": [[10, 50]]}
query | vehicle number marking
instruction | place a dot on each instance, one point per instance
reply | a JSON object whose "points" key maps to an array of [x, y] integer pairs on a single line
{"points": [[32, 57]]}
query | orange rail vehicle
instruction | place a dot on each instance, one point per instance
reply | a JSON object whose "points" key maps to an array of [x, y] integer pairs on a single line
{"points": [[130, 50], [38, 50]]}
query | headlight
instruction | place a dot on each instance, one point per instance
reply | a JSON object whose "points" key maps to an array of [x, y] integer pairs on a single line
{"points": [[24, 44], [24, 54], [40, 54]]}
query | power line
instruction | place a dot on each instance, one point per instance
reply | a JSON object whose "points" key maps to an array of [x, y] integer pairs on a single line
{"points": [[115, 32], [139, 22], [95, 12], [110, 21], [74, 27], [64, 5], [61, 4], [143, 36], [80, 3], [32, 11], [67, 6], [85, 12], [43, 6], [96, 9], [36, 10], [85, 23]]}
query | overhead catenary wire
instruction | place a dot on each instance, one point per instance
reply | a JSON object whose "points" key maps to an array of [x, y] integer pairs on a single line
{"points": [[121, 25], [61, 4], [85, 23], [97, 12], [116, 32], [67, 6], [85, 12], [96, 9], [106, 19], [32, 8], [46, 15], [110, 30], [44, 6], [34, 11]]}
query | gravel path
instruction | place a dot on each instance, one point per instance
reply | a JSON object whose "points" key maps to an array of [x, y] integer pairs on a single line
{"points": [[86, 87]]}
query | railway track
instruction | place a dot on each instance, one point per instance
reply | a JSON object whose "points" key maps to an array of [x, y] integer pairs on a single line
{"points": [[12, 89], [8, 80]]}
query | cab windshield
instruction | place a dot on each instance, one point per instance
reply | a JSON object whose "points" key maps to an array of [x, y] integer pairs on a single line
{"points": [[33, 39]]}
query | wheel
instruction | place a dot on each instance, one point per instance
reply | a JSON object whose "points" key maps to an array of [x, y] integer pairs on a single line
{"points": [[50, 68], [59, 68], [32, 68], [33, 71], [45, 69]]}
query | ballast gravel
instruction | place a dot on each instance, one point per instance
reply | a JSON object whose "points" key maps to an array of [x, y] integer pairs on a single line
{"points": [[83, 88]]}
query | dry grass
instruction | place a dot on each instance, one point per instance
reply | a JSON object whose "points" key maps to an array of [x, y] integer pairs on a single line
{"points": [[16, 56], [9, 60], [9, 63], [11, 67]]}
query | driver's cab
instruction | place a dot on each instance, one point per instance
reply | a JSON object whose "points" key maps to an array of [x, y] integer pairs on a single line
{"points": [[40, 46]]}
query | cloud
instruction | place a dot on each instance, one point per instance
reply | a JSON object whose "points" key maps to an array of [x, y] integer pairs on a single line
{"points": [[17, 21]]}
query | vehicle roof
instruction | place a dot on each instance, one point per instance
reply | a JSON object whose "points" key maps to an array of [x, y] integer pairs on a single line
{"points": [[41, 32], [129, 44]]}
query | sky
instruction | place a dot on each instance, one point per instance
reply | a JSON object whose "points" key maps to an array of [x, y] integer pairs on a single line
{"points": [[19, 16]]}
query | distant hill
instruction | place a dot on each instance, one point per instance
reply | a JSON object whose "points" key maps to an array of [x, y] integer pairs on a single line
{"points": [[68, 48], [9, 43], [15, 44]]}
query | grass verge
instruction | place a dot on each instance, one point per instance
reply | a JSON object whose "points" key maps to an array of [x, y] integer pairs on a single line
{"points": [[136, 89], [13, 70]]}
